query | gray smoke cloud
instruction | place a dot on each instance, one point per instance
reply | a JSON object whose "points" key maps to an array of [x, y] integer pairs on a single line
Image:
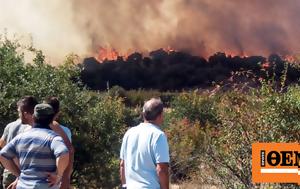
{"points": [[48, 25], [202, 27]]}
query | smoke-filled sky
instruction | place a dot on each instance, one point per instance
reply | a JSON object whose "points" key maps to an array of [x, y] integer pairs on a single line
{"points": [[202, 27]]}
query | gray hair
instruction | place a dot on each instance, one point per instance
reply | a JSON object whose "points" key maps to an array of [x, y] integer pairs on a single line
{"points": [[152, 109]]}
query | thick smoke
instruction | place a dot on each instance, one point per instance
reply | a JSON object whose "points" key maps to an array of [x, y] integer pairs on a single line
{"points": [[202, 27], [48, 25]]}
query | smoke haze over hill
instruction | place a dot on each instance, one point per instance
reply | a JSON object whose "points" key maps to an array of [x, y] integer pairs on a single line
{"points": [[198, 26]]}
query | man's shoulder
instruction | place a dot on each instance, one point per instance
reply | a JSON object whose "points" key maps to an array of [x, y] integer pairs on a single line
{"points": [[65, 128], [134, 129], [39, 132], [12, 130], [51, 132], [130, 130], [148, 128], [46, 135], [17, 127], [67, 132], [14, 124], [154, 129]]}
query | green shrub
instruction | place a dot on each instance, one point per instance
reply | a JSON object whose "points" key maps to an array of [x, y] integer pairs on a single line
{"points": [[99, 136], [186, 141], [135, 98], [281, 112], [195, 107], [96, 120], [210, 136]]}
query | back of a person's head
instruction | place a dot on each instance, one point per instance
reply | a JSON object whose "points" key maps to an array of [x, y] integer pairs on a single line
{"points": [[54, 102], [43, 115], [27, 104], [152, 109]]}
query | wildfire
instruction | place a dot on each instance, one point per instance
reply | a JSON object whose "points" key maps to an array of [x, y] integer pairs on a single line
{"points": [[106, 54], [291, 58], [169, 49], [109, 54], [233, 54], [266, 65]]}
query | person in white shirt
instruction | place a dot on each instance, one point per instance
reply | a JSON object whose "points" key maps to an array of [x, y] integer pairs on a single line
{"points": [[144, 152]]}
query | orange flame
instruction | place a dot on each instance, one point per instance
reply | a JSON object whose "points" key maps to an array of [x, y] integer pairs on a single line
{"points": [[266, 65], [107, 54], [233, 54], [290, 58], [169, 49]]}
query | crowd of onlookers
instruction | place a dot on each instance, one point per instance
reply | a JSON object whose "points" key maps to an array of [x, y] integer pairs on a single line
{"points": [[36, 149], [37, 152]]}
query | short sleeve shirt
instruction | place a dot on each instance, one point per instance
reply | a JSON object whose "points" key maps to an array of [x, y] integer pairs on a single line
{"points": [[13, 129], [142, 148], [37, 151], [67, 131]]}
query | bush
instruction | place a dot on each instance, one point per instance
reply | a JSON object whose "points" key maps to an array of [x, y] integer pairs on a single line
{"points": [[187, 124], [186, 141], [193, 107], [210, 136], [96, 120], [281, 111], [135, 98], [99, 136]]}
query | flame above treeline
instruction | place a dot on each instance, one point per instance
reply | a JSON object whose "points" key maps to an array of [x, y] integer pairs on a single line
{"points": [[105, 54], [108, 53], [201, 27], [176, 70]]}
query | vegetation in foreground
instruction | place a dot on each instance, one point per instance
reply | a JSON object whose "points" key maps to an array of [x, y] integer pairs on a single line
{"points": [[210, 134]]}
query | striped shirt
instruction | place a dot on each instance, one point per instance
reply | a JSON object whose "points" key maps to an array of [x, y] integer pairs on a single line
{"points": [[37, 150]]}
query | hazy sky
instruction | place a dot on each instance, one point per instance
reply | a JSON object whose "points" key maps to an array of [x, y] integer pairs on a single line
{"points": [[202, 27]]}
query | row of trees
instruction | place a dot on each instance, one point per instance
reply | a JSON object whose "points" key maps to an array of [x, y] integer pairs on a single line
{"points": [[174, 70]]}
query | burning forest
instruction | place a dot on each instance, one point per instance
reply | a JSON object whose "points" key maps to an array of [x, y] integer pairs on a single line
{"points": [[104, 58], [166, 69], [199, 27], [192, 30]]}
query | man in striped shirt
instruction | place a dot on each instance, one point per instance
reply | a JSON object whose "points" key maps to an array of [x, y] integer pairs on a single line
{"points": [[42, 154]]}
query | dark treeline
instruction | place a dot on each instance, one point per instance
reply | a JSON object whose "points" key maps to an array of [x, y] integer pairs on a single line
{"points": [[179, 70]]}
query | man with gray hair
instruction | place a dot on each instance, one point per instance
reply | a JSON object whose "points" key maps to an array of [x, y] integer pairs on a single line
{"points": [[145, 152]]}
